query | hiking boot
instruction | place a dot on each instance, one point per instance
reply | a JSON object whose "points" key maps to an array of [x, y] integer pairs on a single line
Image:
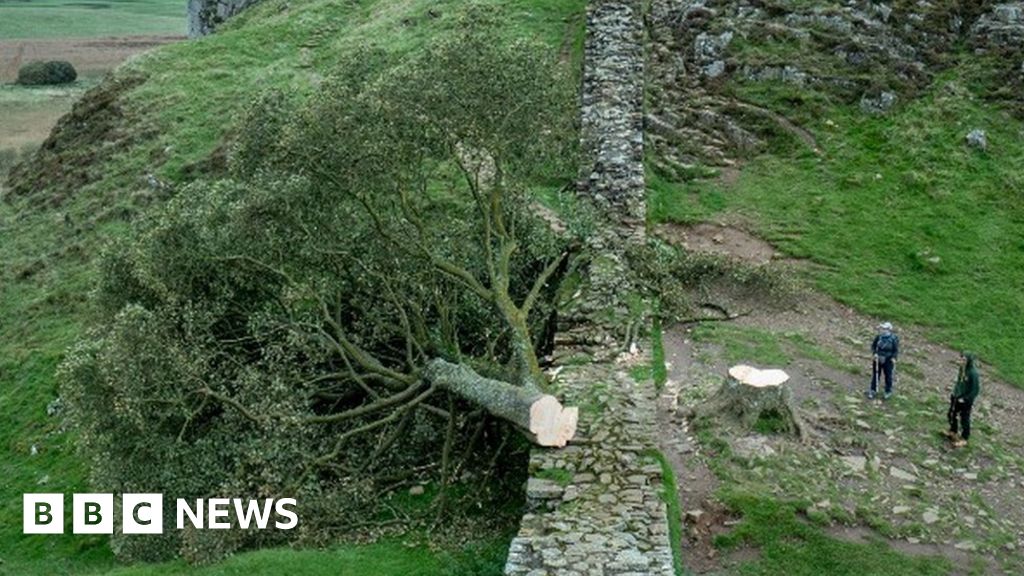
{"points": [[887, 395], [960, 443], [950, 434]]}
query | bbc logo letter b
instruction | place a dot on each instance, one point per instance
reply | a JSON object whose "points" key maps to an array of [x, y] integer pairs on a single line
{"points": [[92, 514], [43, 514]]}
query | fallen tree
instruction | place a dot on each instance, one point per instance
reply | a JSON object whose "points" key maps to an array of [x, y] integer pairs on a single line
{"points": [[357, 306]]}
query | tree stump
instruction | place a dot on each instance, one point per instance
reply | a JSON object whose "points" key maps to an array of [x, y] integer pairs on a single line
{"points": [[756, 399]]}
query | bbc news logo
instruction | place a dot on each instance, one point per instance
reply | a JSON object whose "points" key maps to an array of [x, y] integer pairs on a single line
{"points": [[144, 513]]}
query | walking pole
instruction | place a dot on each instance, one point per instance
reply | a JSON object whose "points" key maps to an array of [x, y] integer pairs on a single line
{"points": [[874, 376]]}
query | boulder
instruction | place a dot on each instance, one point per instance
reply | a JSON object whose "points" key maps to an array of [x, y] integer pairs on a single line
{"points": [[878, 104], [977, 139]]}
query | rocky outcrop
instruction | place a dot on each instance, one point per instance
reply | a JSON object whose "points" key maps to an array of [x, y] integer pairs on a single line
{"points": [[707, 56], [205, 15], [999, 29]]}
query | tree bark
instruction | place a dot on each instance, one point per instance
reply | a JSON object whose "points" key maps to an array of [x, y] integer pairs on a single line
{"points": [[541, 417]]}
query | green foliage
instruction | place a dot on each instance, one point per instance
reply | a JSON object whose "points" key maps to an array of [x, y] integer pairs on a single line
{"points": [[164, 113], [47, 73], [771, 422], [257, 330], [789, 545], [386, 558], [670, 496]]}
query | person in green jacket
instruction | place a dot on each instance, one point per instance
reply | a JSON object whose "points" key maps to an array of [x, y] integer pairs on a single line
{"points": [[967, 387]]}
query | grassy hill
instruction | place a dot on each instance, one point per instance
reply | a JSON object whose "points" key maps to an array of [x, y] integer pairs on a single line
{"points": [[895, 216], [156, 123]]}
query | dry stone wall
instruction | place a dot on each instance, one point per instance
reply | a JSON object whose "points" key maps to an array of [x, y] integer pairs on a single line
{"points": [[611, 112], [595, 507]]}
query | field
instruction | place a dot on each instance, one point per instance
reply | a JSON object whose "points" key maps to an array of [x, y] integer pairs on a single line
{"points": [[35, 19], [94, 36]]}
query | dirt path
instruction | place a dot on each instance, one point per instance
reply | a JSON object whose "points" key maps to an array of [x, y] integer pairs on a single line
{"points": [[876, 463]]}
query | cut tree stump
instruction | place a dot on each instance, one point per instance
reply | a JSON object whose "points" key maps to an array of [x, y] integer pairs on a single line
{"points": [[750, 395], [541, 417]]}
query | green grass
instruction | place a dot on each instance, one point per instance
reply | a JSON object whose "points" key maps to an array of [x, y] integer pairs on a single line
{"points": [[748, 345], [387, 558], [89, 18], [790, 545], [561, 476], [669, 495], [193, 97], [659, 372], [902, 219]]}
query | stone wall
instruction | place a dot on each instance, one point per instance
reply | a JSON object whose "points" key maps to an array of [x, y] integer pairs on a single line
{"points": [[595, 507], [611, 112]]}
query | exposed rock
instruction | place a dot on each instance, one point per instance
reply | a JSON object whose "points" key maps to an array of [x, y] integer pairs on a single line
{"points": [[977, 139], [541, 489], [930, 517], [856, 464], [416, 491], [966, 545], [879, 104], [708, 50], [753, 447], [902, 474], [1000, 28], [205, 15], [900, 510]]}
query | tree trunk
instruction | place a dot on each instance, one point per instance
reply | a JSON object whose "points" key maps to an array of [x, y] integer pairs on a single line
{"points": [[751, 396], [541, 417]]}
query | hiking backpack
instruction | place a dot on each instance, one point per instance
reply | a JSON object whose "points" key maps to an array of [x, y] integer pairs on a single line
{"points": [[886, 347]]}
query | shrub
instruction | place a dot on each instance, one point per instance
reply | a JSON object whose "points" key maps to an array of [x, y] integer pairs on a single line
{"points": [[47, 73]]}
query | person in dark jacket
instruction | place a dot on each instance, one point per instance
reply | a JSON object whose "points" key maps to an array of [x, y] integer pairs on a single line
{"points": [[961, 401], [885, 349]]}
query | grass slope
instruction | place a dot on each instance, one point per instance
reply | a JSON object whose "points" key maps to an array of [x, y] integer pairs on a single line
{"points": [[900, 217], [194, 95], [77, 19]]}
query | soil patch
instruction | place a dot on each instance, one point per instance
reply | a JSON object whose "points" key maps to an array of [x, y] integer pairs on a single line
{"points": [[720, 240]]}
